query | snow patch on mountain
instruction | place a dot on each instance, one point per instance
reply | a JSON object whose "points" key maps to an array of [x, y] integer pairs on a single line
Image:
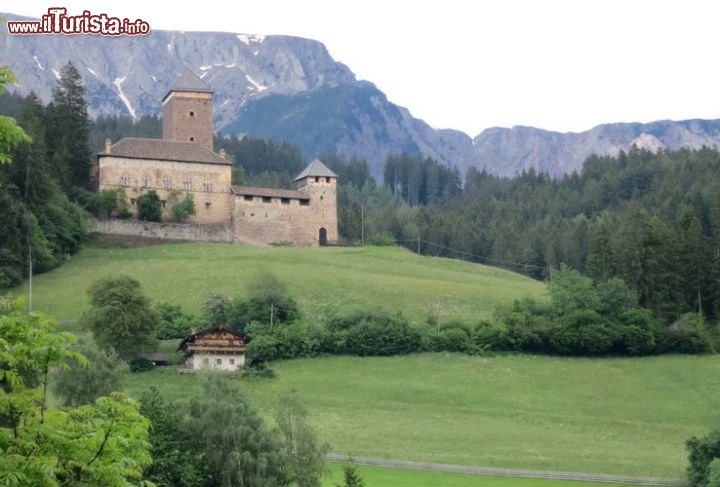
{"points": [[38, 63], [247, 39], [118, 83], [255, 84]]}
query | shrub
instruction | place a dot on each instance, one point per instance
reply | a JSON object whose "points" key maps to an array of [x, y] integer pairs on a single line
{"points": [[174, 323], [262, 349], [382, 334], [702, 451], [149, 207], [181, 208], [687, 335]]}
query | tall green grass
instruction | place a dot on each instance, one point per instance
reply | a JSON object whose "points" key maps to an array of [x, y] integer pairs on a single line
{"points": [[619, 416], [322, 280]]}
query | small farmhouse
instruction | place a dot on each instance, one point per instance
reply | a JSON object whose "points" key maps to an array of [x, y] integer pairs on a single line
{"points": [[183, 163], [218, 348]]}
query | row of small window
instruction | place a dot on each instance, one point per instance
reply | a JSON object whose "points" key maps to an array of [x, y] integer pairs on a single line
{"points": [[219, 361], [268, 199], [317, 179], [164, 203], [166, 184]]}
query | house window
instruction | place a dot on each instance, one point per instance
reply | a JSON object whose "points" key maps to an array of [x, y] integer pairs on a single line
{"points": [[206, 361], [232, 361], [218, 361], [285, 201], [187, 185], [304, 202], [248, 197], [267, 199]]}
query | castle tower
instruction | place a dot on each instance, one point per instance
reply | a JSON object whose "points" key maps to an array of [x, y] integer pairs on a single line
{"points": [[320, 184], [187, 111]]}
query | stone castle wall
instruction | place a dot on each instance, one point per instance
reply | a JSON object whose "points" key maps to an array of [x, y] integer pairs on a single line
{"points": [[165, 231], [208, 183]]}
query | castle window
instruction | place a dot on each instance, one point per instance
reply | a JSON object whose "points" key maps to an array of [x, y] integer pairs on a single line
{"points": [[285, 201], [124, 181], [192, 139], [187, 185], [207, 205], [167, 183], [304, 203], [317, 179], [248, 197], [267, 199], [146, 182], [207, 187], [163, 202], [132, 201], [327, 180], [192, 114]]}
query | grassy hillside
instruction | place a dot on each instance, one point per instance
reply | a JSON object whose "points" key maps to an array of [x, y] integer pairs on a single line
{"points": [[322, 280], [621, 416]]}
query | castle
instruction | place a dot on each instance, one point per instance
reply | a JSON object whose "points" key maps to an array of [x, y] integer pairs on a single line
{"points": [[183, 162]]}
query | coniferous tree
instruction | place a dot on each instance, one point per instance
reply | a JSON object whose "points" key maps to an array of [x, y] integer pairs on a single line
{"points": [[69, 131]]}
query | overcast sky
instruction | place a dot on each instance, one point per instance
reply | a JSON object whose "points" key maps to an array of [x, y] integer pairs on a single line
{"points": [[470, 65]]}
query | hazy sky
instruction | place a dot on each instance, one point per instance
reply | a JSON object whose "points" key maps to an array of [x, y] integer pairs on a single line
{"points": [[470, 65]]}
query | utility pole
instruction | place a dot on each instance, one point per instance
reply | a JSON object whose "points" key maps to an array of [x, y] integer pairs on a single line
{"points": [[30, 273], [362, 224], [418, 245]]}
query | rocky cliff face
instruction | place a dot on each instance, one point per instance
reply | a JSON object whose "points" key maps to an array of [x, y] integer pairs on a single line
{"points": [[288, 88]]}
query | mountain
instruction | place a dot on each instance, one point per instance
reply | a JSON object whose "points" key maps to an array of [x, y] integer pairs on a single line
{"points": [[291, 89]]}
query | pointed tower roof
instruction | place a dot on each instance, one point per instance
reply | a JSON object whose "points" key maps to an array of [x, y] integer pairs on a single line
{"points": [[189, 81], [316, 168]]}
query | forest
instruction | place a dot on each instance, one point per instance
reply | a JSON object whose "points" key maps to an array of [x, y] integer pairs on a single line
{"points": [[650, 219]]}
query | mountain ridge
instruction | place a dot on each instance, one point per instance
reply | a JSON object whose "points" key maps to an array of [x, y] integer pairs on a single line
{"points": [[290, 88]]}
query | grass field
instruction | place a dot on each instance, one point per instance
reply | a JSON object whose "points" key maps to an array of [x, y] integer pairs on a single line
{"points": [[385, 477], [322, 280], [619, 416]]}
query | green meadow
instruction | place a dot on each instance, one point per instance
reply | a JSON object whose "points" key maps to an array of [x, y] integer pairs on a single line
{"points": [[322, 280], [616, 416]]}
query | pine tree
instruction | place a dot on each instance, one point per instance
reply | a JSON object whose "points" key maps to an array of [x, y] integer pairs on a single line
{"points": [[68, 132]]}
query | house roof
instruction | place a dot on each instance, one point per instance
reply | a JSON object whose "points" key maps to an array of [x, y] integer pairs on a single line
{"points": [[166, 150], [316, 168], [189, 81], [269, 192], [195, 343]]}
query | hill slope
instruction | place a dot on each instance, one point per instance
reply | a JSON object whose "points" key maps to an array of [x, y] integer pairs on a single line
{"points": [[322, 280]]}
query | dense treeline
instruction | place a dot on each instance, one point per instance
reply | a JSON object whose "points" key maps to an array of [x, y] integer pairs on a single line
{"points": [[652, 220], [44, 189]]}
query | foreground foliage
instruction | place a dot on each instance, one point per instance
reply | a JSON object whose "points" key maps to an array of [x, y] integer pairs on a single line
{"points": [[104, 443]]}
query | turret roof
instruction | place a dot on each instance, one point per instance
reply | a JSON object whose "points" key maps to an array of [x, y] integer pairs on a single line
{"points": [[316, 168]]}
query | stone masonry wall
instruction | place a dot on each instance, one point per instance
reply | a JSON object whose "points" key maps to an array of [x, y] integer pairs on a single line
{"points": [[165, 231], [187, 117], [208, 183]]}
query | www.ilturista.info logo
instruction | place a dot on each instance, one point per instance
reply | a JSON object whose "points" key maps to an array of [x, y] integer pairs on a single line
{"points": [[58, 22]]}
